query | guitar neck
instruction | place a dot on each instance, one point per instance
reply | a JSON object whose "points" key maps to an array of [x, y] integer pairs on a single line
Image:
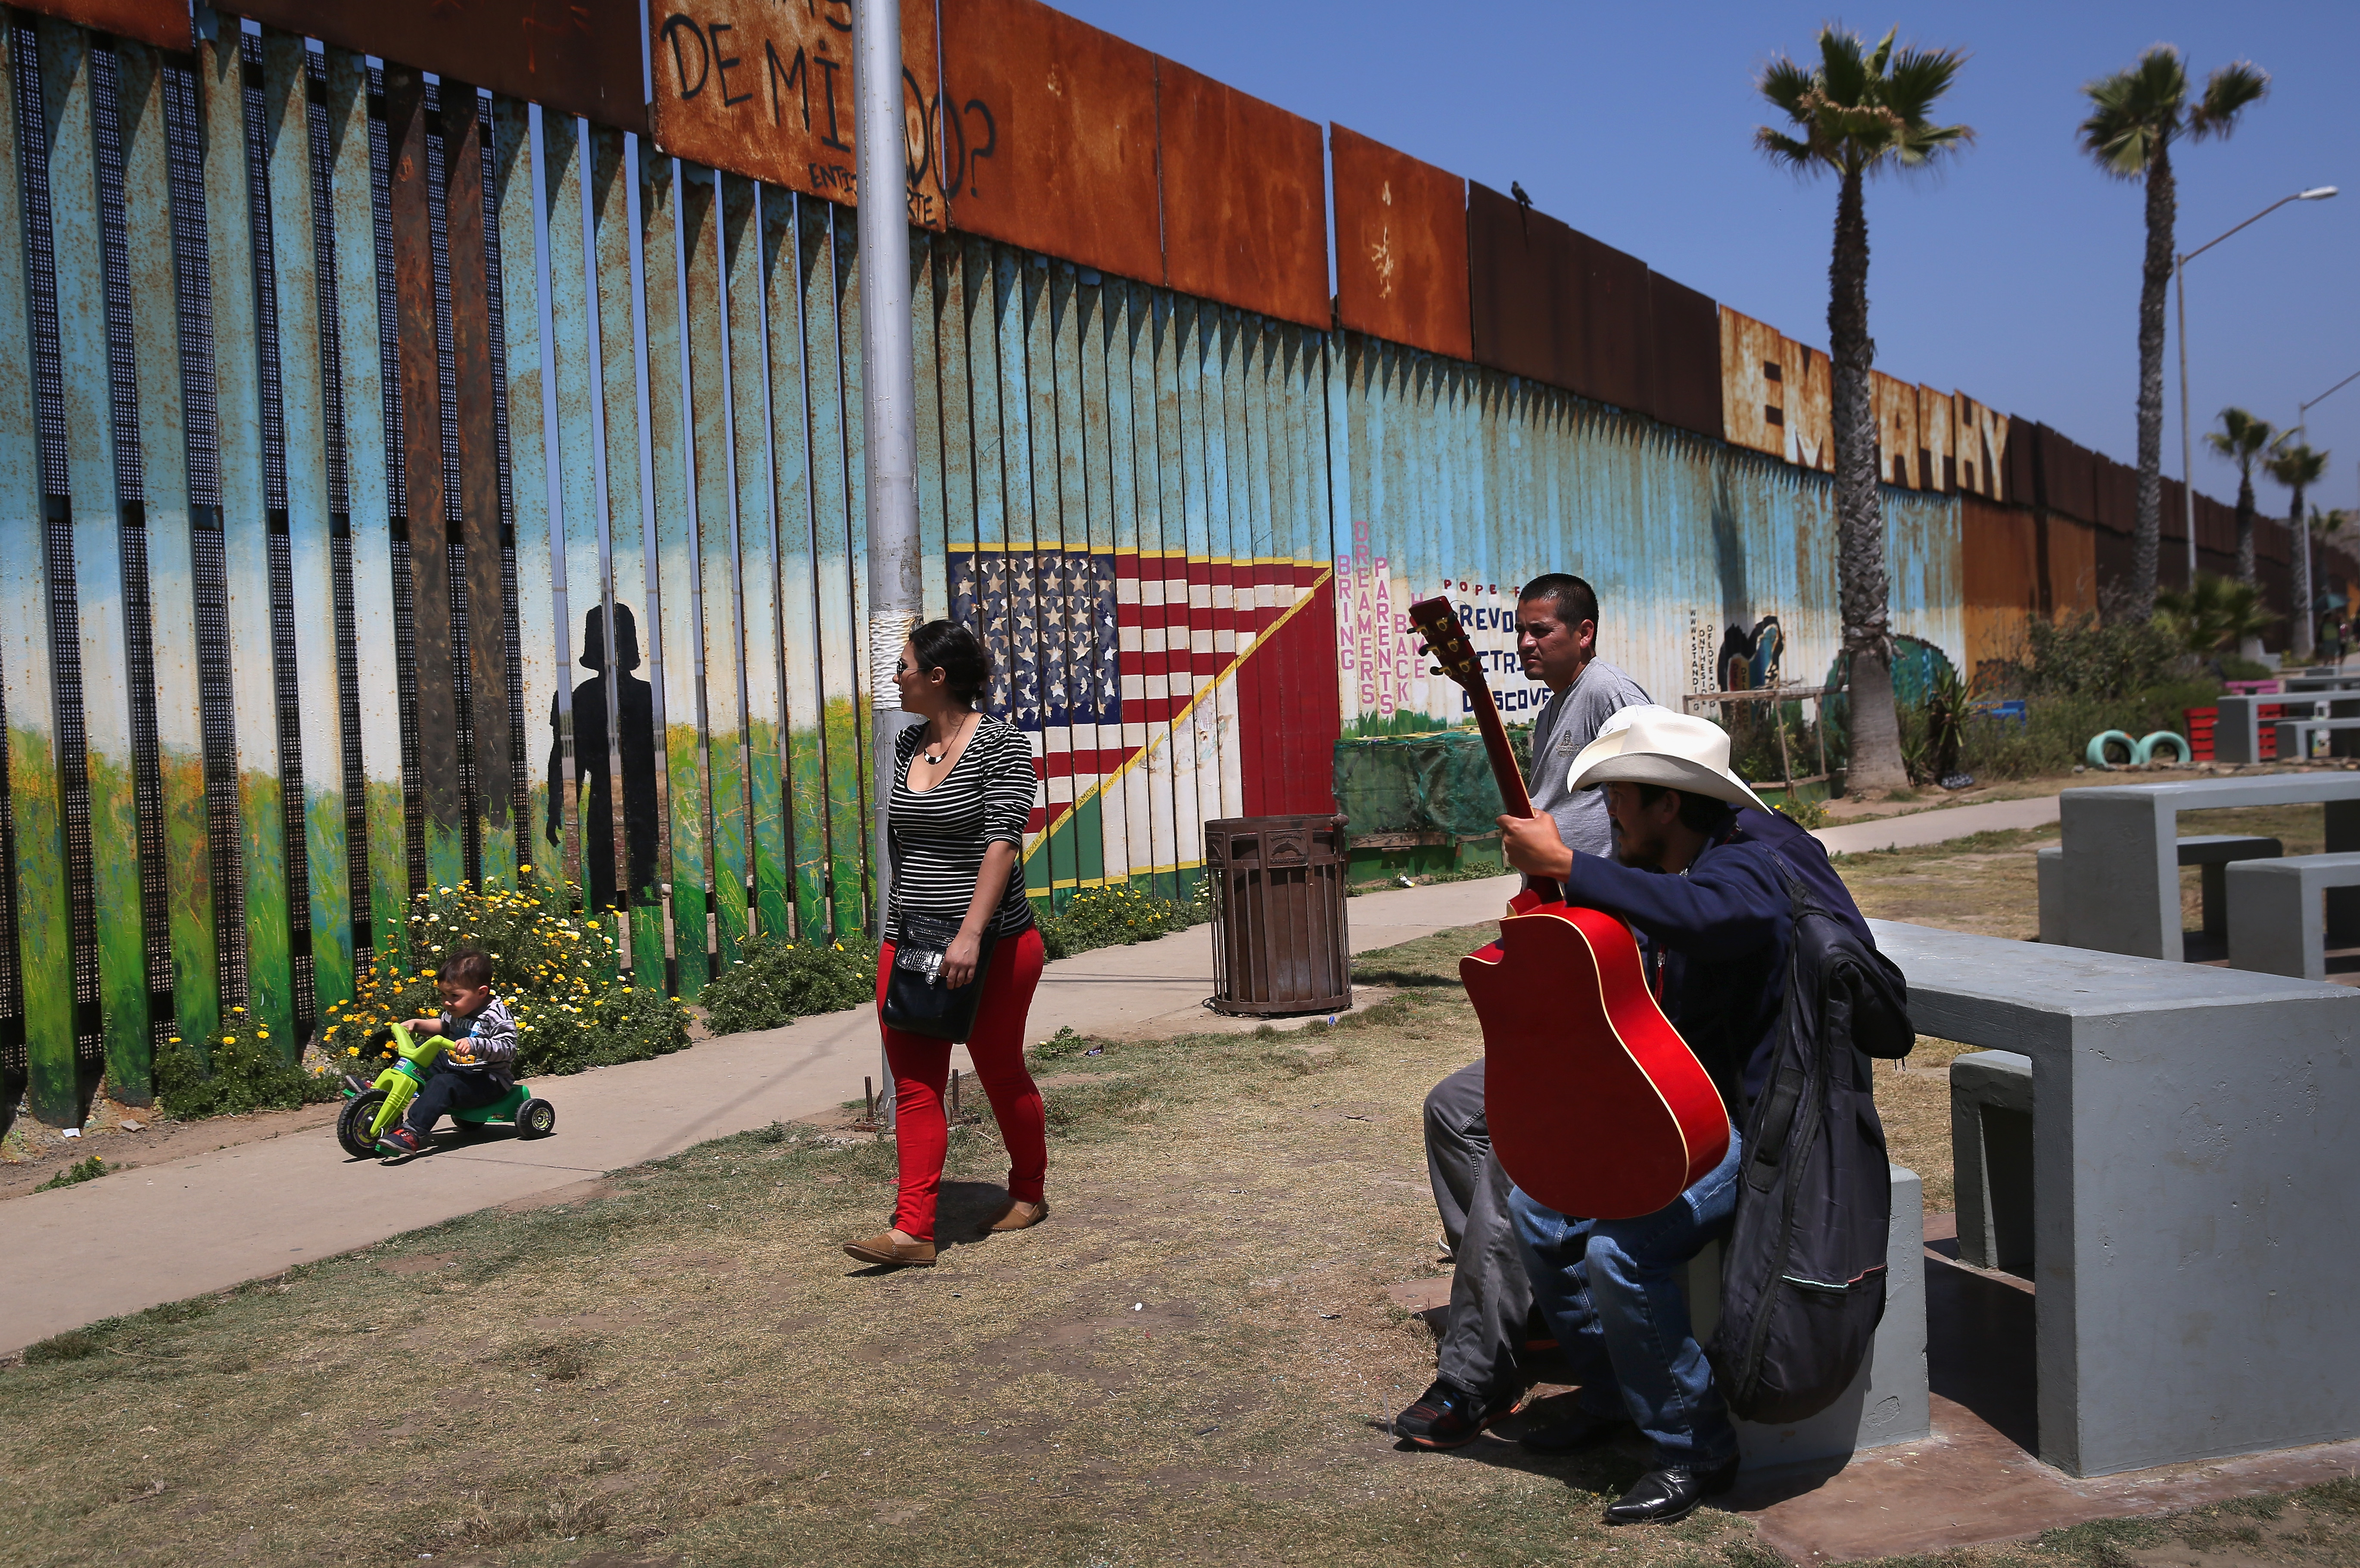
{"points": [[1446, 640], [1510, 777]]}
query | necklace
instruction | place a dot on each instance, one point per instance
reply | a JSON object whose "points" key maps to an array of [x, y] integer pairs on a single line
{"points": [[934, 759]]}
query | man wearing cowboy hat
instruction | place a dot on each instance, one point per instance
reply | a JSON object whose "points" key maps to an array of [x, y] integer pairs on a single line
{"points": [[1696, 873], [1479, 1377]]}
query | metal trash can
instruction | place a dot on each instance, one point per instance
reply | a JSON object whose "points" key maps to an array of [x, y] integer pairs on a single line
{"points": [[1279, 941]]}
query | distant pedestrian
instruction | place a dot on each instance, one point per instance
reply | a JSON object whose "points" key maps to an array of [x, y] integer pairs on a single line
{"points": [[963, 790]]}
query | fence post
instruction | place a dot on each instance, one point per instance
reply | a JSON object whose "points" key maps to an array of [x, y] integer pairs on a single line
{"points": [[889, 393]]}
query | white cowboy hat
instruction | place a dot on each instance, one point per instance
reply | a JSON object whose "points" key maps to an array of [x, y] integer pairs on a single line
{"points": [[1647, 745]]}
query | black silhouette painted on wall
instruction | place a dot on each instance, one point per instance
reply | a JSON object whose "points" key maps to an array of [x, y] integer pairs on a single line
{"points": [[593, 780]]}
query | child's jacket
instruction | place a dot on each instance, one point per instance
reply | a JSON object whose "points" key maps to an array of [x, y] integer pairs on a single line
{"points": [[483, 1046]]}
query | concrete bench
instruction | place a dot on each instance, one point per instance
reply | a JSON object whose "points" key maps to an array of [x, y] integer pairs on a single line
{"points": [[2296, 736], [2209, 851], [2122, 864], [1887, 1403], [2196, 1251], [1990, 1159], [2279, 922]]}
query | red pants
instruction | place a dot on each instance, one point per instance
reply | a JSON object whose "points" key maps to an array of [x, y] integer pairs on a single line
{"points": [[921, 1066]]}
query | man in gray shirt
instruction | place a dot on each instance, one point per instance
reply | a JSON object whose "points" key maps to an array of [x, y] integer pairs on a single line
{"points": [[1479, 1377]]}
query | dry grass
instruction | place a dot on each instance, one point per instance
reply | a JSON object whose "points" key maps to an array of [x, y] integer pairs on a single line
{"points": [[1189, 1363]]}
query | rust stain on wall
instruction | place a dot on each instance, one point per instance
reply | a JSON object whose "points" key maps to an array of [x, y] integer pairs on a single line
{"points": [[1897, 429], [1245, 197], [164, 23], [1400, 246], [1937, 465], [578, 56], [1752, 384], [1048, 135], [765, 90], [1809, 408]]}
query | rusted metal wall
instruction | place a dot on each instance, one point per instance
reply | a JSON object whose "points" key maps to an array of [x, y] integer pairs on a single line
{"points": [[765, 90], [164, 23], [1400, 246], [1687, 350], [1049, 135], [1245, 199], [579, 57], [1525, 314]]}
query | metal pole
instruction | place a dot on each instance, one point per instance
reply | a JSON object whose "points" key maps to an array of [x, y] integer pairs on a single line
{"points": [[889, 397], [2186, 446]]}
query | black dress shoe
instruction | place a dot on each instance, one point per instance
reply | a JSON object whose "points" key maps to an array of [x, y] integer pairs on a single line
{"points": [[1577, 1433], [1671, 1492]]}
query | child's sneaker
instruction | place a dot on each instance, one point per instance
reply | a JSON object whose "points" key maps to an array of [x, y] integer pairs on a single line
{"points": [[399, 1144]]}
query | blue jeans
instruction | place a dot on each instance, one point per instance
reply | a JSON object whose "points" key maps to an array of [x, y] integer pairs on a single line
{"points": [[1612, 1291]]}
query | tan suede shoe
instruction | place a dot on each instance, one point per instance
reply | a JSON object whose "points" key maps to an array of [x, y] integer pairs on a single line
{"points": [[894, 1249], [1021, 1216]]}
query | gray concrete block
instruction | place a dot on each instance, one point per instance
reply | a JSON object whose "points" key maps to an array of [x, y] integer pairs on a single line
{"points": [[1887, 1403], [2212, 854], [2279, 922], [2122, 857], [2051, 866], [1990, 1159], [2197, 1248]]}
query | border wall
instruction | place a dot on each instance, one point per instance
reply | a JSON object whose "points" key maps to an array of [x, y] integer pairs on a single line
{"points": [[435, 449]]}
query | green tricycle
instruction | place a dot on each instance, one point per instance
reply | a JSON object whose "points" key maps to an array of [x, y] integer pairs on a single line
{"points": [[371, 1108]]}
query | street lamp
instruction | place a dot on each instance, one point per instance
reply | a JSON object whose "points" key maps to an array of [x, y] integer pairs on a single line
{"points": [[2302, 410], [2187, 442]]}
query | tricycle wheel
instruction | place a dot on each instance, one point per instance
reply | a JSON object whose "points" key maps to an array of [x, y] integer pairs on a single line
{"points": [[536, 1118], [353, 1123]]}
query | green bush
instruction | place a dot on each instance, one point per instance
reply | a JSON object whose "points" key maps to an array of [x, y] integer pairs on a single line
{"points": [[1114, 916], [236, 1069], [776, 981], [2086, 656], [2057, 728]]}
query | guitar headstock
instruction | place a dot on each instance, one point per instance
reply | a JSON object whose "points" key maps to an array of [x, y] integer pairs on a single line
{"points": [[1446, 640]]}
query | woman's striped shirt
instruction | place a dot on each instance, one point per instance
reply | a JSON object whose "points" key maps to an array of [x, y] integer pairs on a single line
{"points": [[938, 837]]}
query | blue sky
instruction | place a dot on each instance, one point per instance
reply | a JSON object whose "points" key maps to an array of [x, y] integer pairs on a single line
{"points": [[2013, 276]]}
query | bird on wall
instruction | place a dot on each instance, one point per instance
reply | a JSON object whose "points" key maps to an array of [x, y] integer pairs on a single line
{"points": [[1524, 206]]}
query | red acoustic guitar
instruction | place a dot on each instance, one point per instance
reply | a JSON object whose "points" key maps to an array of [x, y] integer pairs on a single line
{"points": [[1597, 1107]]}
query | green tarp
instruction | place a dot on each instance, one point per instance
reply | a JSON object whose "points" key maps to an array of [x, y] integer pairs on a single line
{"points": [[1422, 783]]}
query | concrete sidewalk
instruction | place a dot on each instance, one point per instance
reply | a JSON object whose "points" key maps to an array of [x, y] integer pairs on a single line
{"points": [[1938, 826], [162, 1232]]}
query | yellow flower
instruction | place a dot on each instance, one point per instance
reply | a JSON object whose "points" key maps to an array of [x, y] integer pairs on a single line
{"points": [[352, 1050], [262, 1034], [229, 1040], [176, 1039], [238, 1010]]}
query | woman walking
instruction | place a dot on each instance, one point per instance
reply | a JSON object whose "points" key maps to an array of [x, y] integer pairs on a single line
{"points": [[962, 786]]}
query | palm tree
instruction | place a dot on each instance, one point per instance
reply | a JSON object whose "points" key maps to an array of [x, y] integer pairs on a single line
{"points": [[1859, 111], [2242, 439], [2297, 466], [2138, 113], [2212, 617]]}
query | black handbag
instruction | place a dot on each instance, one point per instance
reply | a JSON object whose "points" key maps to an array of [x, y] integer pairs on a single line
{"points": [[916, 1000]]}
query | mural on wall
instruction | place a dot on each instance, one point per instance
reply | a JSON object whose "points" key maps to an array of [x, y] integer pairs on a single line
{"points": [[427, 395]]}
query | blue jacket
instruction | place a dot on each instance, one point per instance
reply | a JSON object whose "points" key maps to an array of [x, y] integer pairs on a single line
{"points": [[1718, 938]]}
